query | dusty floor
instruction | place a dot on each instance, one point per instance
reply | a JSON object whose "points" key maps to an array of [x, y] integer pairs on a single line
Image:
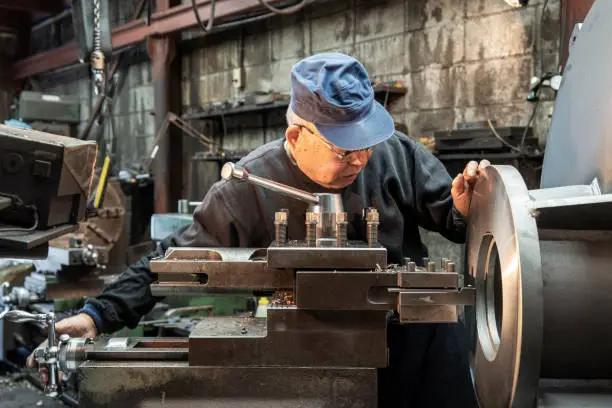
{"points": [[21, 394]]}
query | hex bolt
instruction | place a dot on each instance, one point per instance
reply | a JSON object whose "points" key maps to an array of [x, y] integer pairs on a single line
{"points": [[411, 267], [372, 222], [443, 263], [425, 262], [311, 228], [431, 266], [280, 226], [341, 229], [407, 261], [450, 267]]}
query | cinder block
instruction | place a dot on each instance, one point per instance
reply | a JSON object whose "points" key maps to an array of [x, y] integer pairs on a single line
{"points": [[327, 8], [375, 19], [186, 65], [142, 123], [331, 32], [495, 81], [429, 13], [289, 41], [542, 120], [257, 48], [222, 55], [549, 61], [513, 114], [432, 88], [442, 44], [500, 35], [548, 34], [258, 78], [142, 99], [281, 75], [185, 94], [425, 122], [214, 87], [139, 74], [383, 56]]}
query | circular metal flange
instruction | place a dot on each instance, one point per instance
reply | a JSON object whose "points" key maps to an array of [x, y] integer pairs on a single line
{"points": [[503, 258]]}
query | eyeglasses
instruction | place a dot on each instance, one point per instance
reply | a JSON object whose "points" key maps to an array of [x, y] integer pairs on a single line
{"points": [[342, 156]]}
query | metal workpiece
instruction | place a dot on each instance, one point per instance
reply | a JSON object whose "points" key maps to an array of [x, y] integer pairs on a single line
{"points": [[542, 291], [503, 258], [292, 337], [577, 305], [178, 385]]}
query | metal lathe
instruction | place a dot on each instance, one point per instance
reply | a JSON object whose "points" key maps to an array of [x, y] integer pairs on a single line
{"points": [[536, 293]]}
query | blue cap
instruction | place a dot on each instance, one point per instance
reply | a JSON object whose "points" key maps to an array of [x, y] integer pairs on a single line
{"points": [[334, 92]]}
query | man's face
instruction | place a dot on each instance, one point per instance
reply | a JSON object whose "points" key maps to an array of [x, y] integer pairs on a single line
{"points": [[322, 162]]}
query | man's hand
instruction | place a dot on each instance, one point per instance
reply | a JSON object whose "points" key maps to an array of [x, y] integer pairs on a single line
{"points": [[463, 186], [79, 326]]}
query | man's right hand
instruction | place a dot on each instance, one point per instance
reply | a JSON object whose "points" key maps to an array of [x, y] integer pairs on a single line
{"points": [[79, 326]]}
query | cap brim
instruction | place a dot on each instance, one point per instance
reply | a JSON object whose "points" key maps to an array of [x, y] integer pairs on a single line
{"points": [[375, 128]]}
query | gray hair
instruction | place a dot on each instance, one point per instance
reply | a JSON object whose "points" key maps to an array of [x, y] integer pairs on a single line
{"points": [[294, 119]]}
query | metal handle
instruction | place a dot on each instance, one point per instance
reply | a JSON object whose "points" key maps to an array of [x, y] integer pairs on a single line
{"points": [[19, 316], [232, 170], [45, 356]]}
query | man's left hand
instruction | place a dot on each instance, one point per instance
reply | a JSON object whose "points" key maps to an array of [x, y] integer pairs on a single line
{"points": [[463, 185]]}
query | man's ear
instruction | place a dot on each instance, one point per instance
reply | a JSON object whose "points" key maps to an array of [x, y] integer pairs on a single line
{"points": [[292, 134]]}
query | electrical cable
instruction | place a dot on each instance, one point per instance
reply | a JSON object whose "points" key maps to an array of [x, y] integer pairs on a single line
{"points": [[211, 20], [286, 10], [23, 230]]}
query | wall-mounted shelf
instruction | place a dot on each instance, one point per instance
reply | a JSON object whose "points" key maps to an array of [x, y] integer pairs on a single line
{"points": [[214, 113]]}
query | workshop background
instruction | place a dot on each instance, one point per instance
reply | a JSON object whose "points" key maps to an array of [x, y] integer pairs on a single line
{"points": [[459, 61]]}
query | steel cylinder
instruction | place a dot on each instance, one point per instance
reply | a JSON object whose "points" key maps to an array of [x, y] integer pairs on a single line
{"points": [[577, 284]]}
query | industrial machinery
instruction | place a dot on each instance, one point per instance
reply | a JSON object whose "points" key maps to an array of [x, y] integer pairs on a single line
{"points": [[331, 298], [536, 290]]}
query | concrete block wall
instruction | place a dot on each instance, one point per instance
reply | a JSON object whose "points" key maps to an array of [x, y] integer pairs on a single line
{"points": [[461, 60]]}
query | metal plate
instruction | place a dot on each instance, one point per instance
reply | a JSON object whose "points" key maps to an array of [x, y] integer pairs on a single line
{"points": [[574, 213], [176, 385], [581, 127], [508, 313], [356, 255], [291, 337]]}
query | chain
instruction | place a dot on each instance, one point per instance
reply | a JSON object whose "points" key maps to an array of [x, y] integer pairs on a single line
{"points": [[97, 57]]}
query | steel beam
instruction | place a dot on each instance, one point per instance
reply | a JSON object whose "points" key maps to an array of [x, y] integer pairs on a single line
{"points": [[163, 22]]}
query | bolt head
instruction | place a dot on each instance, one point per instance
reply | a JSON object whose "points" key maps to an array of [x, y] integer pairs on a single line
{"points": [[280, 216], [312, 217], [372, 215]]}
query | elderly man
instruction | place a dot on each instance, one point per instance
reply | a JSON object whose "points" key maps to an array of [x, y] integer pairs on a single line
{"points": [[338, 140]]}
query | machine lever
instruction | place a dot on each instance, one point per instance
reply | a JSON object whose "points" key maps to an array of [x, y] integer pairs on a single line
{"points": [[232, 170], [45, 356]]}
